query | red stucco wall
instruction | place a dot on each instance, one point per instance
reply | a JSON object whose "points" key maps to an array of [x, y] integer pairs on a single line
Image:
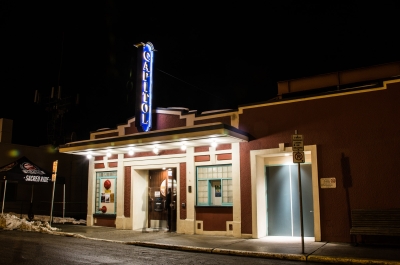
{"points": [[127, 191], [166, 121], [225, 120], [364, 128]]}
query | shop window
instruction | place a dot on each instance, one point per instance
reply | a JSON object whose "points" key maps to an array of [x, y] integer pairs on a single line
{"points": [[106, 192], [214, 185]]}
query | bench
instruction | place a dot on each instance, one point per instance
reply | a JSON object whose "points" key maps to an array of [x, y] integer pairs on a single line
{"points": [[366, 222]]}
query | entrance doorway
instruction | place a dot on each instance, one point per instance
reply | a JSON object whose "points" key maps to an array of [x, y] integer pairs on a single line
{"points": [[283, 208], [161, 215]]}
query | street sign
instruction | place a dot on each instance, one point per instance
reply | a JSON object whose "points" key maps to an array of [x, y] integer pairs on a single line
{"points": [[298, 146], [54, 173], [297, 149], [297, 137], [298, 157]]}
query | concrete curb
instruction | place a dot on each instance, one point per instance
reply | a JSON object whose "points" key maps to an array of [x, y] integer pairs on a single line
{"points": [[256, 254], [347, 260], [173, 247]]}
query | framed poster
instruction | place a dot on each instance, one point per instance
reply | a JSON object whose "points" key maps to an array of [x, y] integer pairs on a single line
{"points": [[106, 188]]}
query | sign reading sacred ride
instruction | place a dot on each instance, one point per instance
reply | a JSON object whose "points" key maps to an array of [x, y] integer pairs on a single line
{"points": [[144, 86]]}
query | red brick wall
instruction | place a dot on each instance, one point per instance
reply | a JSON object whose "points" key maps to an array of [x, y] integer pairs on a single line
{"points": [[362, 127], [105, 135], [131, 129], [201, 149], [127, 192], [110, 222], [112, 164], [225, 120], [214, 218], [99, 165], [223, 147], [182, 190], [224, 157], [114, 156], [161, 152], [160, 121], [166, 121], [202, 158]]}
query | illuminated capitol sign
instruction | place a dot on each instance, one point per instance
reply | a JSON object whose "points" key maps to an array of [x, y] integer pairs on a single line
{"points": [[144, 88]]}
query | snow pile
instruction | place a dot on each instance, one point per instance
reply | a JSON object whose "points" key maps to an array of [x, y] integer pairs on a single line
{"points": [[56, 220], [39, 224], [11, 222]]}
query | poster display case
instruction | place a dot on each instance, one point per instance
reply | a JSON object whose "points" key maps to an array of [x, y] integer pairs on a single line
{"points": [[106, 188]]}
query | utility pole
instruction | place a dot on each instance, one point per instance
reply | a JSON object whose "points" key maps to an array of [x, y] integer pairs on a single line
{"points": [[57, 106]]}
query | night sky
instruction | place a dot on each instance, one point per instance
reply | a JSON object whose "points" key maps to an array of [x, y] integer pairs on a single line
{"points": [[208, 56]]}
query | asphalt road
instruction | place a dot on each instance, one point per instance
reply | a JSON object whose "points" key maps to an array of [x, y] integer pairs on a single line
{"points": [[18, 247]]}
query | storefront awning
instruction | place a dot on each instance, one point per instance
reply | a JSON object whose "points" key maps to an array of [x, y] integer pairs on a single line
{"points": [[24, 170], [193, 136]]}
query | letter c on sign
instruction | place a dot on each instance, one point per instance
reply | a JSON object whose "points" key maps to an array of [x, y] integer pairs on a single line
{"points": [[147, 56]]}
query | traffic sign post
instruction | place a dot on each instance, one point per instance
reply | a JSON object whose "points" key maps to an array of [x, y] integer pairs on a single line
{"points": [[53, 178], [298, 157]]}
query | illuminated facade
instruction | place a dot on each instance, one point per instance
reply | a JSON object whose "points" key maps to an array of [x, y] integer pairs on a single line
{"points": [[232, 171]]}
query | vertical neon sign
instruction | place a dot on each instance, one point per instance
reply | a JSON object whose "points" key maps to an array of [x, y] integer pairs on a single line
{"points": [[145, 84]]}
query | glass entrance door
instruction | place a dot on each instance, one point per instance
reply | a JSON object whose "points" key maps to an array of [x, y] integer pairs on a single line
{"points": [[161, 215], [283, 200]]}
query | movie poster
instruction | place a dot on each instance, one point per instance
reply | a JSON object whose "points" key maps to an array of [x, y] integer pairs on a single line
{"points": [[107, 198]]}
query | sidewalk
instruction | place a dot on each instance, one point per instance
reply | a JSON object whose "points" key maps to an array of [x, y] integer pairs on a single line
{"points": [[286, 248]]}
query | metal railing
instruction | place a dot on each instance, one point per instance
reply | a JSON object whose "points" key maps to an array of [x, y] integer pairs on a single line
{"points": [[77, 210]]}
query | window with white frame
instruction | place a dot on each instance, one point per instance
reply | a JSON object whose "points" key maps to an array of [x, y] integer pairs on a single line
{"points": [[214, 185]]}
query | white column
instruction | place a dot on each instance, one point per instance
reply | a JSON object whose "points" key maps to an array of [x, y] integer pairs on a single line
{"points": [[119, 222], [237, 213], [189, 227], [91, 194]]}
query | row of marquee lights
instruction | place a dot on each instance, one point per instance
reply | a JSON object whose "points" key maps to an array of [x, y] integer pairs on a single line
{"points": [[156, 149]]}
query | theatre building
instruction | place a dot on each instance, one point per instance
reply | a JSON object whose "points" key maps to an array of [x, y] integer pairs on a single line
{"points": [[235, 172]]}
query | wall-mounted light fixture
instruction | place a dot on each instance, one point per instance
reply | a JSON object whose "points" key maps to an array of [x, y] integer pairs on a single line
{"points": [[183, 147], [131, 152], [214, 143], [108, 154], [89, 155], [155, 150]]}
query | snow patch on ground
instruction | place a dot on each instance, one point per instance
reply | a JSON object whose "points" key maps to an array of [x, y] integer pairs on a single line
{"points": [[40, 223]]}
